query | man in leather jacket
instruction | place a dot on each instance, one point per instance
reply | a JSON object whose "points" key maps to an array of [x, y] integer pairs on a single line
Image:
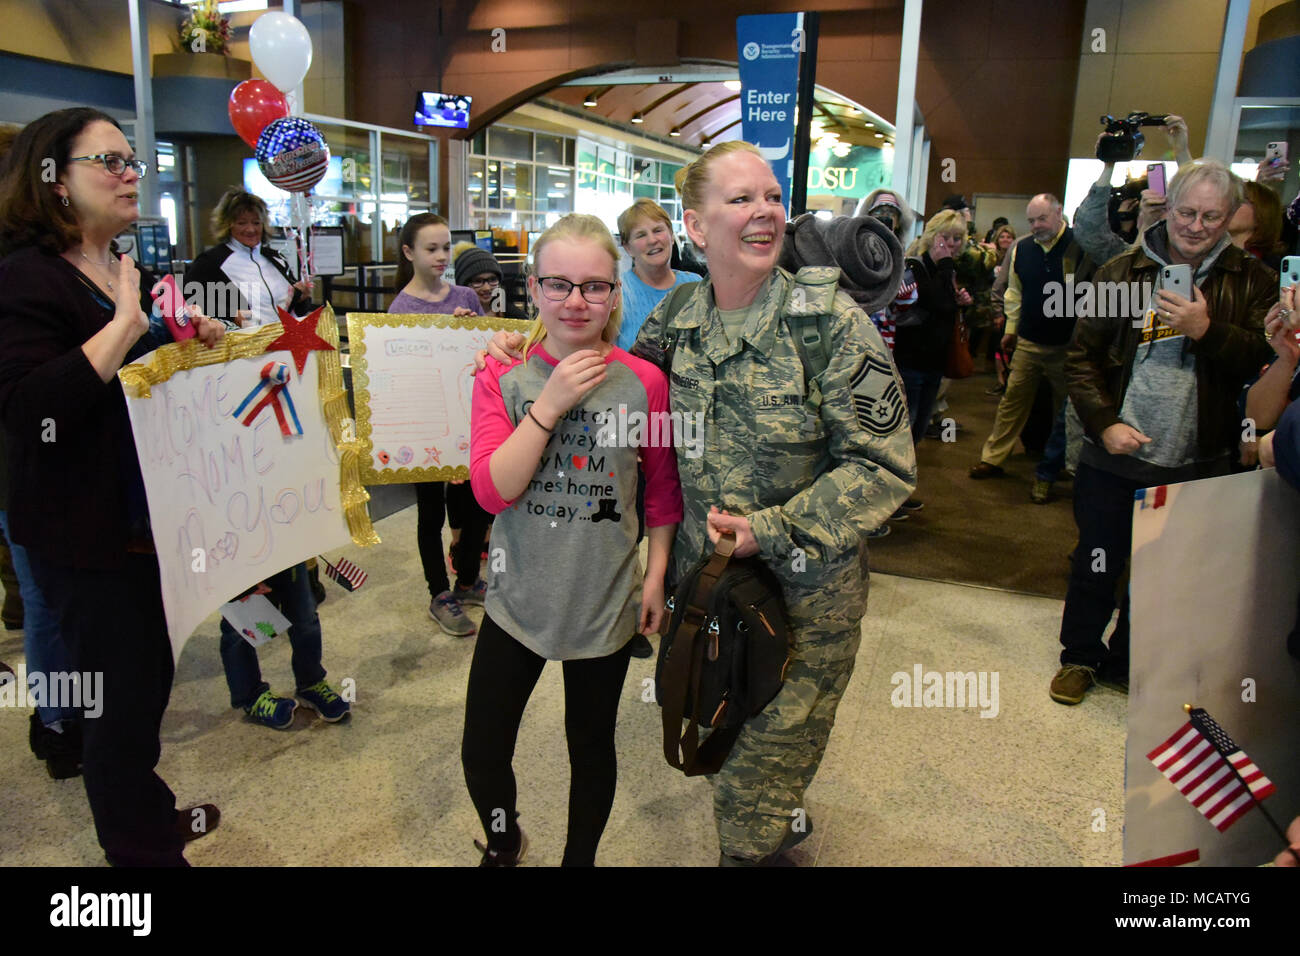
{"points": [[1156, 392]]}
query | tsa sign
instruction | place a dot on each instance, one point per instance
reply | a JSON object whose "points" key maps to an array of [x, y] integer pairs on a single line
{"points": [[770, 45]]}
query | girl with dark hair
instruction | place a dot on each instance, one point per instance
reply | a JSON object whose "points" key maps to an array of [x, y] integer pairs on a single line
{"points": [[424, 251], [71, 314]]}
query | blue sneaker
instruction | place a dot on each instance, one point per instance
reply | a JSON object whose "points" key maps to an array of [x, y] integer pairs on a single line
{"points": [[321, 698], [274, 712], [472, 595]]}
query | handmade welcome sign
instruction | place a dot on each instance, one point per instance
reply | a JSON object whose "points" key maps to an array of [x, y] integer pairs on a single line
{"points": [[413, 381], [248, 466]]}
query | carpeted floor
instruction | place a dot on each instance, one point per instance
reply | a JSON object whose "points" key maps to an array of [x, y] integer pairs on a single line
{"points": [[980, 532]]}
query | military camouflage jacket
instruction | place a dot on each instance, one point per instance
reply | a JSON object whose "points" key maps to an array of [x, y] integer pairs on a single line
{"points": [[814, 468]]}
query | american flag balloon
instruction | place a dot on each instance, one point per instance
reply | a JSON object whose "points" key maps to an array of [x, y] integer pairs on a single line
{"points": [[292, 154]]}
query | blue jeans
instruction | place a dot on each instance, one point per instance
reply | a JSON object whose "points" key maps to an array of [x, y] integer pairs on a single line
{"points": [[1049, 469], [291, 593], [922, 388], [43, 644]]}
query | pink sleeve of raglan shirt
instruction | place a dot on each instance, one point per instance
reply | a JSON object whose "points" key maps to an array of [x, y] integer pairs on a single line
{"points": [[663, 487], [490, 426]]}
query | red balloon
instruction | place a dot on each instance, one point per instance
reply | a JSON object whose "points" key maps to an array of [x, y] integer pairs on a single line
{"points": [[254, 104]]}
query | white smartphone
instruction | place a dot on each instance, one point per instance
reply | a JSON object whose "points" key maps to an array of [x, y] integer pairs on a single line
{"points": [[1177, 278], [1275, 153]]}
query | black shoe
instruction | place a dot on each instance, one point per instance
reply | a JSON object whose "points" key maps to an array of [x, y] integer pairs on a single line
{"points": [[61, 752], [503, 857], [198, 821], [641, 648], [912, 505]]}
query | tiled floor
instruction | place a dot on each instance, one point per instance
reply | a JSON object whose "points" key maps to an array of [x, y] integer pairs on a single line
{"points": [[928, 786]]}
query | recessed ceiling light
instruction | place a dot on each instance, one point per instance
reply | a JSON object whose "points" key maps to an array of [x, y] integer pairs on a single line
{"points": [[870, 125], [674, 132], [638, 119], [705, 144], [590, 101], [733, 85], [880, 136]]}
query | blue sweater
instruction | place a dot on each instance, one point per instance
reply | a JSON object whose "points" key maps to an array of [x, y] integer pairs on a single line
{"points": [[639, 300]]}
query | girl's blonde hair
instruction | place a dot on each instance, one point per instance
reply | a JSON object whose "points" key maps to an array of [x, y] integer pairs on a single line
{"points": [[577, 227], [941, 223], [643, 210], [693, 178]]}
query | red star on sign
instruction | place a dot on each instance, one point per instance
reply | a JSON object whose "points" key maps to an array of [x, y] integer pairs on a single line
{"points": [[299, 337]]}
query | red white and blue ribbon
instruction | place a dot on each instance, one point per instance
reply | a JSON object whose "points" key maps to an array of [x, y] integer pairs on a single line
{"points": [[273, 387]]}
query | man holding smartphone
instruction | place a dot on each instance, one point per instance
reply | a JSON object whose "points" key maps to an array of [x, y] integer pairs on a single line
{"points": [[1157, 395]]}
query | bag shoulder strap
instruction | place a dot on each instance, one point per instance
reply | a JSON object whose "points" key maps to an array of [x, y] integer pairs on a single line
{"points": [[808, 310], [678, 296]]}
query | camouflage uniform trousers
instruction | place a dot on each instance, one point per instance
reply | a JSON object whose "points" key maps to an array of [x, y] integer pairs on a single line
{"points": [[762, 783]]}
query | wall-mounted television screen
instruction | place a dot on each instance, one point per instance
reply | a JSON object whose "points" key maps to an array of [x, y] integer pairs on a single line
{"points": [[441, 109]]}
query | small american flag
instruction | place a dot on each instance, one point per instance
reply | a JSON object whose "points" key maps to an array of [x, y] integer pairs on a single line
{"points": [[345, 573], [1211, 771]]}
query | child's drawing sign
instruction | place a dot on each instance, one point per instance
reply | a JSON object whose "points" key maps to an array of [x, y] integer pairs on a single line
{"points": [[413, 381], [233, 500]]}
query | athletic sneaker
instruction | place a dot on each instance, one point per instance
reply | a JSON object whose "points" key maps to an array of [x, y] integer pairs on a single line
{"points": [[451, 617], [912, 505], [472, 596], [881, 532], [321, 698], [274, 712]]}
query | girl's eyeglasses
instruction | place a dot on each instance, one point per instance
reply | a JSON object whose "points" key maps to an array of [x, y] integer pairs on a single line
{"points": [[597, 292]]}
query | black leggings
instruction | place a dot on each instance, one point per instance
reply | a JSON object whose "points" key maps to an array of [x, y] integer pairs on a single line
{"points": [[434, 500], [501, 679]]}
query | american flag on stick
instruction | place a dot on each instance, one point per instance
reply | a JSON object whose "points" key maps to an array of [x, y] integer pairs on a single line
{"points": [[346, 574], [1211, 771]]}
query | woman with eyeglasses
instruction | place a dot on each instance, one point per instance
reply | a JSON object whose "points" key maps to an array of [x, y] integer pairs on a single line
{"points": [[479, 269], [71, 314], [242, 280]]}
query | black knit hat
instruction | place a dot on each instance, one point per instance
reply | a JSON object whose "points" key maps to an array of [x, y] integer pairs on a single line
{"points": [[474, 262]]}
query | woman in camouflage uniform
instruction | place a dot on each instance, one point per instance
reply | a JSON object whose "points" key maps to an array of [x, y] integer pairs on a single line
{"points": [[799, 467]]}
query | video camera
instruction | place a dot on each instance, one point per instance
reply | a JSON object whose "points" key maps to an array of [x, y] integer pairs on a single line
{"points": [[1123, 139]]}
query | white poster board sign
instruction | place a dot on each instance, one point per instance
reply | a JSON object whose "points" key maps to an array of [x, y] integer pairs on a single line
{"points": [[232, 503], [1215, 577], [413, 381]]}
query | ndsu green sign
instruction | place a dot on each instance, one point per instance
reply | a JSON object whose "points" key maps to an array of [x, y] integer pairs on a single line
{"points": [[853, 175]]}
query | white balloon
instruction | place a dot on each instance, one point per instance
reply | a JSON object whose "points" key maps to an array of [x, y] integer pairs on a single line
{"points": [[281, 48]]}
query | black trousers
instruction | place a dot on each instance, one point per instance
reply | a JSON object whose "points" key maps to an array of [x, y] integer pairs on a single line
{"points": [[434, 500], [1103, 512], [114, 626], [501, 679]]}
